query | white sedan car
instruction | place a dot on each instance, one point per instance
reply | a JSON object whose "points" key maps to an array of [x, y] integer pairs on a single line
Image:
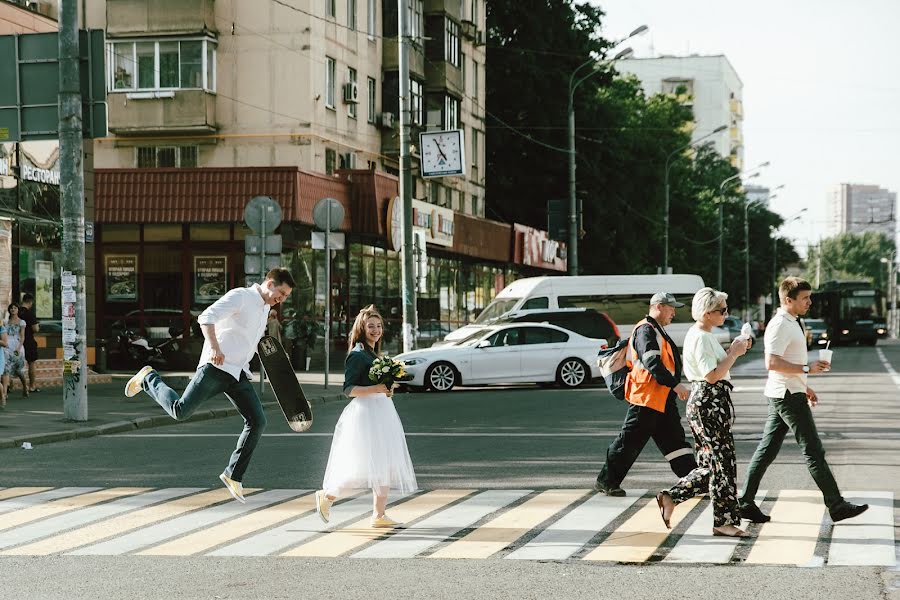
{"points": [[515, 352]]}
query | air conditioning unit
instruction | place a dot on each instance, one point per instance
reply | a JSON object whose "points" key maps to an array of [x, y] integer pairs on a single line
{"points": [[348, 160], [469, 30], [351, 92], [386, 120]]}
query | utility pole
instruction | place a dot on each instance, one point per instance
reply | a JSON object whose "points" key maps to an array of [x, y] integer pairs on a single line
{"points": [[71, 187], [721, 242], [407, 273]]}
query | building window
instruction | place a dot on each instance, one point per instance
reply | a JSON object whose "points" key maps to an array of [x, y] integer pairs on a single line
{"points": [[475, 156], [474, 81], [451, 42], [475, 206], [330, 160], [416, 116], [434, 193], [462, 66], [451, 113], [370, 90], [371, 16], [329, 82], [159, 157], [162, 65], [330, 8], [473, 11], [415, 11], [351, 107], [351, 15]]}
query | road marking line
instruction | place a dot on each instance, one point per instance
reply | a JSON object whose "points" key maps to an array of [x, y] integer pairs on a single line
{"points": [[790, 537], [359, 533], [185, 523], [698, 545], [437, 528], [868, 539], [888, 366], [84, 516], [637, 539], [34, 499], [49, 509], [7, 493], [298, 530], [494, 536], [568, 535], [121, 524], [217, 535]]}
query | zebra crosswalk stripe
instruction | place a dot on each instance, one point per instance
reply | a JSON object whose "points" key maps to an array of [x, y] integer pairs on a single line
{"points": [[45, 510], [20, 501], [869, 538], [792, 534], [7, 493]]}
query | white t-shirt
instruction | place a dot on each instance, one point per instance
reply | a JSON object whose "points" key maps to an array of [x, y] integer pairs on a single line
{"points": [[785, 338], [702, 354], [240, 318]]}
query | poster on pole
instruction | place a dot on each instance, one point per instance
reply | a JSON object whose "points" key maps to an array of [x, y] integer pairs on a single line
{"points": [[121, 278], [43, 289], [210, 278]]}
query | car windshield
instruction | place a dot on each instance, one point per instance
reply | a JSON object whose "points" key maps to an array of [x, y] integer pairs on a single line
{"points": [[473, 337], [497, 308]]}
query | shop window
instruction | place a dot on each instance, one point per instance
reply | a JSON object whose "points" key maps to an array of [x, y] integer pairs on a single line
{"points": [[210, 232], [162, 277], [121, 233], [161, 65], [163, 233]]}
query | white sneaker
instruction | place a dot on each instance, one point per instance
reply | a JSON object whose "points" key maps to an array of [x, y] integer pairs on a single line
{"points": [[234, 487], [134, 385], [323, 505]]}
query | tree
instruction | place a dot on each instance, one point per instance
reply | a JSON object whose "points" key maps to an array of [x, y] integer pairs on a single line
{"points": [[851, 256]]}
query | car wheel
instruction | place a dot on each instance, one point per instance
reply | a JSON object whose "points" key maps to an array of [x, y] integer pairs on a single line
{"points": [[571, 373], [441, 377]]}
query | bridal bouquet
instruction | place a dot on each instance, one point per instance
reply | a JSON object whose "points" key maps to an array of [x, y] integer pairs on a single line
{"points": [[386, 370]]}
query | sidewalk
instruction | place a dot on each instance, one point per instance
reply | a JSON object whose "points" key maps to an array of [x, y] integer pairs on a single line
{"points": [[39, 419]]}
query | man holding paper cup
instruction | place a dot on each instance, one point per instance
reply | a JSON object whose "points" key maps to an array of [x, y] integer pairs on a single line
{"points": [[790, 403]]}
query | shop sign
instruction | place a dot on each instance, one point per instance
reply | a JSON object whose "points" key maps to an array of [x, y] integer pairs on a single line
{"points": [[40, 175], [210, 278], [436, 222], [43, 289], [535, 248], [121, 278]]}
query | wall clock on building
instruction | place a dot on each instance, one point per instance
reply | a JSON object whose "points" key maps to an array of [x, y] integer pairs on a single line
{"points": [[443, 153]]}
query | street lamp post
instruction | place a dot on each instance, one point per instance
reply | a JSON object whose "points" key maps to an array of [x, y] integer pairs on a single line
{"points": [[573, 85], [754, 173], [747, 252], [666, 213]]}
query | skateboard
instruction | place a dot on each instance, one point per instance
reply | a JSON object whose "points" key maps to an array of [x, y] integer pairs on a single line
{"points": [[284, 384]]}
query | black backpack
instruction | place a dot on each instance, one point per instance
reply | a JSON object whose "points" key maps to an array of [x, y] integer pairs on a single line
{"points": [[614, 367]]}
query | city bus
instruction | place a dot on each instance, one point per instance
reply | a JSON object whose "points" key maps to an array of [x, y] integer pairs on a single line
{"points": [[853, 311], [625, 298]]}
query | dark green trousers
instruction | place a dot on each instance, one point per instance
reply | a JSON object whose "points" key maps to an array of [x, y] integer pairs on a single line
{"points": [[791, 413]]}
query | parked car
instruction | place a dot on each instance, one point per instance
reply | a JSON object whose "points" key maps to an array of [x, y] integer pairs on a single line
{"points": [[583, 321], [816, 332], [510, 353]]}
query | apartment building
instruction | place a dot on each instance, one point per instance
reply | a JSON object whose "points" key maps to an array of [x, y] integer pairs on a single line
{"points": [[855, 208]]}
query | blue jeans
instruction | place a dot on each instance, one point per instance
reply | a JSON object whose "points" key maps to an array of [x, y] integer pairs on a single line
{"points": [[208, 382]]}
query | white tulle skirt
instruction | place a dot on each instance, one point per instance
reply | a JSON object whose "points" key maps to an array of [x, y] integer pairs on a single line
{"points": [[369, 449]]}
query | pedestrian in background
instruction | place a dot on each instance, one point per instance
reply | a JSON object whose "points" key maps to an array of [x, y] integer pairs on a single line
{"points": [[15, 354], [651, 388], [273, 325], [29, 344], [790, 402], [4, 342], [368, 450], [710, 415], [232, 327]]}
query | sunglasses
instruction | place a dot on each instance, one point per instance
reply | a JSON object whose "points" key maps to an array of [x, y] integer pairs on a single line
{"points": [[723, 311]]}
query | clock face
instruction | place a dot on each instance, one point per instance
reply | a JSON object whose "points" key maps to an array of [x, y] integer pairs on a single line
{"points": [[442, 153]]}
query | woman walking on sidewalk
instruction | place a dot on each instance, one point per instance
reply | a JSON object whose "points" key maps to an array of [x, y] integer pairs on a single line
{"points": [[709, 412], [369, 446], [15, 353]]}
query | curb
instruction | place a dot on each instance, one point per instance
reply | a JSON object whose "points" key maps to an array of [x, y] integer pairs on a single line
{"points": [[139, 423]]}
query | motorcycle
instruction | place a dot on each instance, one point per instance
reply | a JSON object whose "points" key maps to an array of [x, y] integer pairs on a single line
{"points": [[129, 349]]}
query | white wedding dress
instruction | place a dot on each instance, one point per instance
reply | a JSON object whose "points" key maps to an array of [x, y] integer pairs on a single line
{"points": [[369, 450]]}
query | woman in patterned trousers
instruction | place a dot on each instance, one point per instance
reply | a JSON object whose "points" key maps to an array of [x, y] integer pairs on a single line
{"points": [[709, 412]]}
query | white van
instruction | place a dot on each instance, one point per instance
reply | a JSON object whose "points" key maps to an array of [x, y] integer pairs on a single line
{"points": [[625, 298]]}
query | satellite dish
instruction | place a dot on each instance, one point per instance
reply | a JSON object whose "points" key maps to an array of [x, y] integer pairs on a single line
{"points": [[321, 210], [262, 214]]}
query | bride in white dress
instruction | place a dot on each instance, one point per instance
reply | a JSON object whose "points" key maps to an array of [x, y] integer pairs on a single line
{"points": [[368, 450]]}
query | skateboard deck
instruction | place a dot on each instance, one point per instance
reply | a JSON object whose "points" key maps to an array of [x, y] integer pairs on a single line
{"points": [[284, 384]]}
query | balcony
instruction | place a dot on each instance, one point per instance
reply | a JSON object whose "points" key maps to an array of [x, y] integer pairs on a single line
{"points": [[443, 76], [451, 8], [390, 59], [160, 17], [174, 111], [737, 108]]}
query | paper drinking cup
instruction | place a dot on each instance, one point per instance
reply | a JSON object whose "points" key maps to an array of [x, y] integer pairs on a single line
{"points": [[825, 355]]}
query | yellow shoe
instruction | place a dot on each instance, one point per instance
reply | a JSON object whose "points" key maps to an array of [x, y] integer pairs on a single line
{"points": [[383, 522], [236, 488], [134, 387], [323, 505]]}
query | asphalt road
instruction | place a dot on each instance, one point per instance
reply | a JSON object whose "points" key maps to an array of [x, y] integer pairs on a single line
{"points": [[482, 439]]}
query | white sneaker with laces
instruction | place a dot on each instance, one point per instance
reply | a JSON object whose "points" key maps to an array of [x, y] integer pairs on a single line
{"points": [[234, 487], [134, 385]]}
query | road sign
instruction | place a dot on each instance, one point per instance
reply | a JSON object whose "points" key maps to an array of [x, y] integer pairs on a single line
{"points": [[262, 214], [336, 241], [29, 94], [253, 244], [321, 216]]}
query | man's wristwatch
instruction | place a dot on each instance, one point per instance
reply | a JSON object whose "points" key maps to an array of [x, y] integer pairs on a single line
{"points": [[806, 368]]}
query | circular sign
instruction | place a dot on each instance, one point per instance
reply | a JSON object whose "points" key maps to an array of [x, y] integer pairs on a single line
{"points": [[394, 217], [262, 214], [323, 209]]}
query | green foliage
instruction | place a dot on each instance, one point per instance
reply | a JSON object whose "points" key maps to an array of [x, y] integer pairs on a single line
{"points": [[851, 256], [622, 140]]}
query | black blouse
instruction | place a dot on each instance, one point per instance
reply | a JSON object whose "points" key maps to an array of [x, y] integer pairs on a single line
{"points": [[356, 367]]}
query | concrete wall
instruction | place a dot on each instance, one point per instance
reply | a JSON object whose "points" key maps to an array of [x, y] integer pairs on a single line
{"points": [[16, 19]]}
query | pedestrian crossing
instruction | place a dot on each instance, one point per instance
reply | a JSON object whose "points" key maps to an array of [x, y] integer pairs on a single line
{"points": [[448, 524]]}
